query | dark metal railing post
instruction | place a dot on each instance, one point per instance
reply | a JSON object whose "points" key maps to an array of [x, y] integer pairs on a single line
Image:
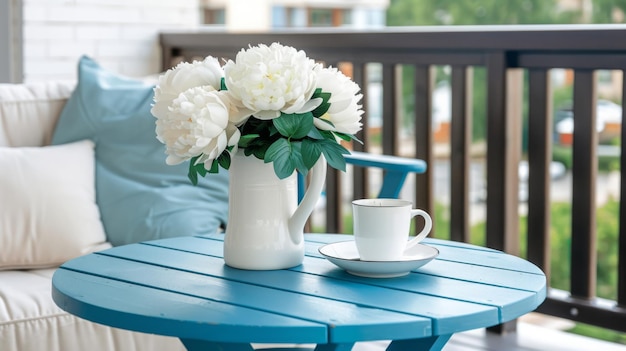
{"points": [[424, 198], [360, 176], [584, 173], [392, 91], [539, 159], [502, 162], [460, 141], [621, 253]]}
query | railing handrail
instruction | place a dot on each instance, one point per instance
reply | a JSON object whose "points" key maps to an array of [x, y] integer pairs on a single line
{"points": [[597, 37]]}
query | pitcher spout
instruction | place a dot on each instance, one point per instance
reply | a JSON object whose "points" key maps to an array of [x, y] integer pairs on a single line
{"points": [[311, 196]]}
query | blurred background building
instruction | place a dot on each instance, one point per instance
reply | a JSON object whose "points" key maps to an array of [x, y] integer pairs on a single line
{"points": [[41, 39]]}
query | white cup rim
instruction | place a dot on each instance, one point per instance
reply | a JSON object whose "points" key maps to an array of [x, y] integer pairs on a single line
{"points": [[382, 203]]}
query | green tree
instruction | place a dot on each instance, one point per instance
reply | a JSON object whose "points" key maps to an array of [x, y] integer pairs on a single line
{"points": [[469, 12], [605, 11]]}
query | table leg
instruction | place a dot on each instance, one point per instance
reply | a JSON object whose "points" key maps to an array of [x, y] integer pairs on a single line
{"points": [[334, 347], [203, 345], [433, 343]]}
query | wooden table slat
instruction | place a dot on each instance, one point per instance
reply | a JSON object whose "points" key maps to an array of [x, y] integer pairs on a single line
{"points": [[346, 319], [144, 309], [451, 314], [509, 301]]}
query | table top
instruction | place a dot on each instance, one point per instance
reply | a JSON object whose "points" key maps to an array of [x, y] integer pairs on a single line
{"points": [[181, 287]]}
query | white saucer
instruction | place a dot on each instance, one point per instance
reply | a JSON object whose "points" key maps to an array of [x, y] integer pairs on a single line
{"points": [[345, 255]]}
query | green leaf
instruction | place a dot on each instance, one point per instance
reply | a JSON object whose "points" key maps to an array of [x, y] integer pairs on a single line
{"points": [[314, 133], [295, 126], [224, 160], [334, 156], [215, 167], [245, 140], [321, 109], [273, 131], [325, 96], [280, 153], [328, 135], [310, 152], [348, 137], [257, 149], [343, 136], [192, 174], [223, 84], [195, 170], [333, 153], [316, 93], [296, 157], [324, 106]]}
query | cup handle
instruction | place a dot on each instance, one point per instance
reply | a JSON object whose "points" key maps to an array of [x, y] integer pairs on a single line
{"points": [[428, 225]]}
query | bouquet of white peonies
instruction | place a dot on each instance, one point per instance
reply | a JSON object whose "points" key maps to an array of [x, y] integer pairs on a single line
{"points": [[273, 102]]}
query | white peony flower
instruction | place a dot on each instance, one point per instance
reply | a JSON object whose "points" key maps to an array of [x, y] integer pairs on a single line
{"points": [[197, 124], [271, 79], [344, 112], [183, 77]]}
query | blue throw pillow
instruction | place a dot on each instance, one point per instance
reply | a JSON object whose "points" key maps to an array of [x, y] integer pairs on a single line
{"points": [[140, 197]]}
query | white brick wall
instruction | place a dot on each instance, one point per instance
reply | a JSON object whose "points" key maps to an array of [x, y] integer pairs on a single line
{"points": [[120, 34]]}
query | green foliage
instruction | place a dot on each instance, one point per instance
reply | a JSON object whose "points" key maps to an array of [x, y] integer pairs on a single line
{"points": [[441, 222], [479, 104], [294, 126], [608, 229], [604, 10], [472, 12], [560, 244], [484, 12], [562, 154], [599, 333], [195, 169], [475, 12], [291, 142]]}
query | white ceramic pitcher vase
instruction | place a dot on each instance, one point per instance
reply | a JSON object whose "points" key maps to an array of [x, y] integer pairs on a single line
{"points": [[265, 224]]}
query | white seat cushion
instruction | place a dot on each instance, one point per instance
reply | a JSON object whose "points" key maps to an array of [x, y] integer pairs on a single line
{"points": [[29, 112], [48, 212]]}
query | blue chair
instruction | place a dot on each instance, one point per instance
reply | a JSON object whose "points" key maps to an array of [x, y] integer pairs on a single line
{"points": [[396, 170]]}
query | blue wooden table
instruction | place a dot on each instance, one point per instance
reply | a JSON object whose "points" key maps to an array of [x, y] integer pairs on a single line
{"points": [[180, 287]]}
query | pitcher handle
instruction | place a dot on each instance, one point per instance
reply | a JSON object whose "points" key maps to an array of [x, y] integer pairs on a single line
{"points": [[312, 194]]}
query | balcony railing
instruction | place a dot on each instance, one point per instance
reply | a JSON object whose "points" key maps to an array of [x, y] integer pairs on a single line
{"points": [[507, 54]]}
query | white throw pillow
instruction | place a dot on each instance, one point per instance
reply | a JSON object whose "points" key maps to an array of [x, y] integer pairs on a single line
{"points": [[48, 211]]}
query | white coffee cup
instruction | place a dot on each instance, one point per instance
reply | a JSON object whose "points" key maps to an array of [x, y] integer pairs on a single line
{"points": [[381, 228]]}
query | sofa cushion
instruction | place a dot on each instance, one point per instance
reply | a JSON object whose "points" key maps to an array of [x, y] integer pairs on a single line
{"points": [[48, 211], [29, 112], [139, 195]]}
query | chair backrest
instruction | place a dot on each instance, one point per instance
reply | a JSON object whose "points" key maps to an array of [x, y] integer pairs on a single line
{"points": [[396, 169]]}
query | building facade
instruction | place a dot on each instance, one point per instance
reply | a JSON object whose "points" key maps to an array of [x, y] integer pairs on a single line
{"points": [[42, 40]]}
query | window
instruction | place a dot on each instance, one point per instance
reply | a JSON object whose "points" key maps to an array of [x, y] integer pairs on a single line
{"points": [[321, 17], [215, 16]]}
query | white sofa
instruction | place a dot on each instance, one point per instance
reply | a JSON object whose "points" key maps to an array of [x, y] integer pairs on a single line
{"points": [[81, 170], [29, 319]]}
